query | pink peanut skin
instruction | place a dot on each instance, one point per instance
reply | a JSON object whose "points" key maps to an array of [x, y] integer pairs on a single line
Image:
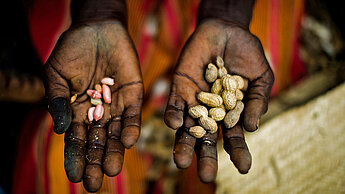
{"points": [[90, 113], [108, 81], [106, 94], [98, 113], [94, 94]]}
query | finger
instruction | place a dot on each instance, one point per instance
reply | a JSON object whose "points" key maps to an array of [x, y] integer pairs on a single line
{"points": [[115, 150], [236, 147], [256, 100], [206, 152], [75, 144], [57, 91], [184, 145], [131, 125], [93, 175], [173, 116]]}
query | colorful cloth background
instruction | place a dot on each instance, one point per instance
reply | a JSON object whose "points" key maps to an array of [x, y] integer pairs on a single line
{"points": [[159, 29]]}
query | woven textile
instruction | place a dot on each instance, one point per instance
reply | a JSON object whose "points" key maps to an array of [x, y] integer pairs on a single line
{"points": [[300, 151]]}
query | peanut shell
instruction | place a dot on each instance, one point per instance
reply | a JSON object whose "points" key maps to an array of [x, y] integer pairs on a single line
{"points": [[217, 87], [233, 116], [219, 62], [208, 124], [229, 99], [217, 114], [212, 100], [211, 73], [222, 72], [239, 80], [197, 131], [239, 94], [229, 83], [198, 111]]}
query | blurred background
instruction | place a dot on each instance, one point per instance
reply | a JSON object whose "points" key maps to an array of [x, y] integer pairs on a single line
{"points": [[298, 148]]}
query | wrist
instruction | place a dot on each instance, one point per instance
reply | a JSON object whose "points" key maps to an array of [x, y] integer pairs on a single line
{"points": [[236, 12], [89, 11]]}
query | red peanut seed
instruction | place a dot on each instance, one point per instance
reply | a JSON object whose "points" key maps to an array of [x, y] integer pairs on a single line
{"points": [[90, 113], [106, 94], [98, 113], [108, 81], [94, 94]]}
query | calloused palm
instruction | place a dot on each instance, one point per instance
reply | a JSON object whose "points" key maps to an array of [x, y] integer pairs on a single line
{"points": [[82, 57], [243, 55]]}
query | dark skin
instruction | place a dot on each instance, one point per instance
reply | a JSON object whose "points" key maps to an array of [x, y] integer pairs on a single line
{"points": [[84, 55], [97, 45], [243, 55]]}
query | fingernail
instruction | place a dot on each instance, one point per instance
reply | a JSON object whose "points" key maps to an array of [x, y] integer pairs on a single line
{"points": [[106, 94], [61, 113]]}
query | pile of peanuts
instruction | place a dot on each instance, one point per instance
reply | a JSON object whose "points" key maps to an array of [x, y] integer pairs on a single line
{"points": [[96, 112], [226, 95]]}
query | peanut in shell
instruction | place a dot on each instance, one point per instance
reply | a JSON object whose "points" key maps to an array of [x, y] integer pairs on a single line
{"points": [[212, 100]]}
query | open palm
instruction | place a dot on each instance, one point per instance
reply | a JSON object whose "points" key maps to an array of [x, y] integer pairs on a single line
{"points": [[243, 55], [82, 57]]}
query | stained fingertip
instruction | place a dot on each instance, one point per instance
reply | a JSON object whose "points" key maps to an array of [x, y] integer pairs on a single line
{"points": [[207, 169], [114, 156], [113, 164], [60, 111], [74, 170], [242, 159], [74, 161], [93, 178], [183, 156], [173, 118], [130, 136], [252, 112]]}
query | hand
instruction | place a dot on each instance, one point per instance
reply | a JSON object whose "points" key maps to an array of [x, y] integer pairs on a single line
{"points": [[243, 55], [84, 55]]}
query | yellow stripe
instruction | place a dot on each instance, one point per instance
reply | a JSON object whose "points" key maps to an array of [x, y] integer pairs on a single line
{"points": [[57, 178]]}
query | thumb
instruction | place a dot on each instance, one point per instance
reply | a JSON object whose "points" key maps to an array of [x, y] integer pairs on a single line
{"points": [[57, 91]]}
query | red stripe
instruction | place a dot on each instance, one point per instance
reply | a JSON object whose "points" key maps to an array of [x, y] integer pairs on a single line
{"points": [[274, 37], [297, 69], [45, 20], [72, 187], [119, 178], [173, 23], [25, 171], [146, 39]]}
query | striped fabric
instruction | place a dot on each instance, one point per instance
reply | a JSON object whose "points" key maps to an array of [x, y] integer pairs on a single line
{"points": [[159, 29]]}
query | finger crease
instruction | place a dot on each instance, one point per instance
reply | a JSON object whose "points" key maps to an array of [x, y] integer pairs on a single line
{"points": [[130, 116], [96, 145], [132, 125], [172, 106], [115, 152], [76, 139], [205, 157], [93, 163]]}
